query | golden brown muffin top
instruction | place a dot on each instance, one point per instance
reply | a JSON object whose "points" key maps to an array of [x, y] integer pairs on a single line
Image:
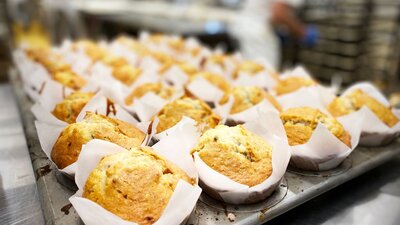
{"points": [[248, 66], [114, 61], [127, 74], [162, 57], [218, 59], [187, 68], [246, 97], [196, 109], [70, 79], [92, 49], [48, 59], [214, 79], [356, 100], [159, 89], [236, 153], [94, 126], [301, 122], [133, 45], [69, 108], [135, 185], [291, 84]]}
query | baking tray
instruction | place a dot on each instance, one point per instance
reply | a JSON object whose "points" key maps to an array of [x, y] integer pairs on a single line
{"points": [[296, 188]]}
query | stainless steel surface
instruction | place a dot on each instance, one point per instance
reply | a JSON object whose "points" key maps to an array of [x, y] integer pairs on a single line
{"points": [[373, 198], [53, 196], [19, 203], [301, 188]]}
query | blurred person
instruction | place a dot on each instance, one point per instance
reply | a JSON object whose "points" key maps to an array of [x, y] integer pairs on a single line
{"points": [[253, 28]]}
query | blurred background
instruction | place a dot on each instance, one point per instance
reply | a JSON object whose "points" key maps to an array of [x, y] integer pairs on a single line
{"points": [[348, 40]]}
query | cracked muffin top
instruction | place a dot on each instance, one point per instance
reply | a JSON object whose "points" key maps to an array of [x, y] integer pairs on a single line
{"points": [[69, 108], [94, 126], [215, 79], [136, 185], [236, 153], [301, 122], [196, 109], [291, 84], [246, 97], [159, 89], [355, 100]]}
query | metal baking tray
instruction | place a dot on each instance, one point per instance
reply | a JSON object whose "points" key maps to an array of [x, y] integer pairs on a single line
{"points": [[296, 188]]}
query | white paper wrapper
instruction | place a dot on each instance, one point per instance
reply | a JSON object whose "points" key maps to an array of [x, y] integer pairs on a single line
{"points": [[298, 71], [148, 106], [118, 49], [245, 116], [204, 90], [374, 131], [52, 94], [99, 105], [48, 133], [306, 96], [78, 59], [226, 70], [251, 113], [32, 73], [102, 73], [34, 76], [144, 107], [313, 96], [37, 80], [185, 122], [221, 187], [175, 76], [261, 79], [149, 64], [177, 211]]}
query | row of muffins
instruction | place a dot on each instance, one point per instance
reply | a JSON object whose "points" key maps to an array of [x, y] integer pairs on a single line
{"points": [[246, 97], [232, 151]]}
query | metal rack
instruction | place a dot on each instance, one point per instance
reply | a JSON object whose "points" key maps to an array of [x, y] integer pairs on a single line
{"points": [[357, 40]]}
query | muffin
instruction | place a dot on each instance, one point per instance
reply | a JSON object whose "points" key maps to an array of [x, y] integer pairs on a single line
{"points": [[91, 49], [114, 61], [196, 109], [236, 153], [187, 68], [133, 45], [159, 89], [68, 145], [300, 123], [127, 74], [246, 97], [218, 59], [49, 60], [356, 100], [70, 107], [248, 67], [121, 69], [70, 79], [135, 185], [214, 79], [291, 84]]}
